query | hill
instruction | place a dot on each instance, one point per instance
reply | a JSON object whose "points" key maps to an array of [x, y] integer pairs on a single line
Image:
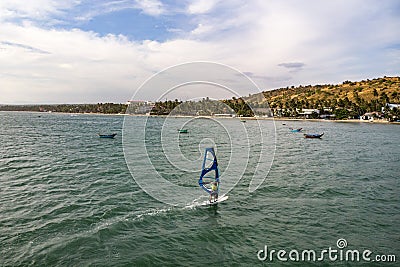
{"points": [[351, 98]]}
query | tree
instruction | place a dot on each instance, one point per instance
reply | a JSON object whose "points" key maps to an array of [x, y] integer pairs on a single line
{"points": [[341, 114], [394, 95], [384, 98]]}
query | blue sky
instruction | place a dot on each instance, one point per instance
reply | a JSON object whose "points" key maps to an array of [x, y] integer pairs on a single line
{"points": [[84, 51]]}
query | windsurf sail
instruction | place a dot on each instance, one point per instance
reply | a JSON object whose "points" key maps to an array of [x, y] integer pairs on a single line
{"points": [[209, 170]]}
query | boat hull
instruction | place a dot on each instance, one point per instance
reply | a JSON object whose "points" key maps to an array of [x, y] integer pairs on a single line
{"points": [[107, 135], [313, 135]]}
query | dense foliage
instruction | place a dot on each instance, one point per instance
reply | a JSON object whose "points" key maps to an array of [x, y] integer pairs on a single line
{"points": [[204, 107], [105, 108], [346, 100]]}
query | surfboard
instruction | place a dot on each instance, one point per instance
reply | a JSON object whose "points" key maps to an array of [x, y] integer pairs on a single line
{"points": [[220, 199]]}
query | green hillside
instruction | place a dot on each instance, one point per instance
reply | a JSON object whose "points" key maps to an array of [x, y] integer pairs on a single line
{"points": [[356, 98]]}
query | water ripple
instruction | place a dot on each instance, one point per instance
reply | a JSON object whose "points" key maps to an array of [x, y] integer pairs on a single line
{"points": [[67, 197]]}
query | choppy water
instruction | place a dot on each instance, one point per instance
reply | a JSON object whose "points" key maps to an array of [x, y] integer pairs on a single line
{"points": [[67, 197]]}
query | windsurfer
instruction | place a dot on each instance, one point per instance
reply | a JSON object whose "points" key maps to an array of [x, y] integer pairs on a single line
{"points": [[214, 192]]}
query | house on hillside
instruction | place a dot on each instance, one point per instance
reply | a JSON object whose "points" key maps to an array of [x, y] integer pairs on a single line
{"points": [[391, 111], [308, 112], [390, 106]]}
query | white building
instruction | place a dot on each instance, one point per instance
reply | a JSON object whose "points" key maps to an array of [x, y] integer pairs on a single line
{"points": [[391, 106]]}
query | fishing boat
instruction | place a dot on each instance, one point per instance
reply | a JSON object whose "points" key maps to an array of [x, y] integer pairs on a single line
{"points": [[209, 177], [295, 130], [313, 135], [183, 131], [107, 135]]}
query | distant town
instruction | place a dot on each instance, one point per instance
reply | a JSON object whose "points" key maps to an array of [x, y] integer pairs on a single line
{"points": [[365, 100]]}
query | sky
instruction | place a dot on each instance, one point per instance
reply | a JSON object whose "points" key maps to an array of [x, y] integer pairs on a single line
{"points": [[86, 51]]}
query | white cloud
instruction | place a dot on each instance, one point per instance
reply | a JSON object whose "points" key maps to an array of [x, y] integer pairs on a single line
{"points": [[332, 41], [35, 10], [52, 12], [201, 6], [201, 30], [79, 66], [150, 7]]}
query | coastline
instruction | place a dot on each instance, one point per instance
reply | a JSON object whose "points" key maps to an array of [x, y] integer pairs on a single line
{"points": [[240, 118], [340, 121], [321, 120], [66, 113]]}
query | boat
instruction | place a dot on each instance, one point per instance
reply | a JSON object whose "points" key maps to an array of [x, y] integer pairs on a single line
{"points": [[209, 177], [295, 130], [107, 135], [315, 135], [183, 131]]}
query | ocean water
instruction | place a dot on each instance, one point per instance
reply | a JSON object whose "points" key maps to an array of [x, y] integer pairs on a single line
{"points": [[67, 197]]}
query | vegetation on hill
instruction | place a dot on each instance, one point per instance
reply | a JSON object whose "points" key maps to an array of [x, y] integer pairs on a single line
{"points": [[105, 108], [240, 107], [349, 99], [204, 107]]}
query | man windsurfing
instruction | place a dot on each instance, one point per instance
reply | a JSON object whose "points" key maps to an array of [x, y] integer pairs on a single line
{"points": [[214, 192]]}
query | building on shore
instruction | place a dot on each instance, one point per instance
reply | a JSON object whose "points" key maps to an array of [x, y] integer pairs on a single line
{"points": [[225, 115], [139, 107], [390, 106]]}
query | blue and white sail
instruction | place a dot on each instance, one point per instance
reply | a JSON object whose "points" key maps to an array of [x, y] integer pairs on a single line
{"points": [[209, 170]]}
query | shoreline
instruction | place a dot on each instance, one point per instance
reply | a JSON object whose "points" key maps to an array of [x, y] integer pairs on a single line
{"points": [[322, 120], [340, 121], [67, 113], [216, 117]]}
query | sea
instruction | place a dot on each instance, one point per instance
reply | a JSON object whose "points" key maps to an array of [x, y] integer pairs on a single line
{"points": [[70, 198]]}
